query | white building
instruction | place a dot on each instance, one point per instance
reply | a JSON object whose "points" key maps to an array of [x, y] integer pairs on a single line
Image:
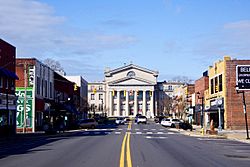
{"points": [[126, 91]]}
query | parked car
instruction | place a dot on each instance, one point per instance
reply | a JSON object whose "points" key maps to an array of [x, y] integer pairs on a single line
{"points": [[87, 123], [158, 119], [141, 119], [170, 122], [136, 117], [120, 121], [186, 126]]}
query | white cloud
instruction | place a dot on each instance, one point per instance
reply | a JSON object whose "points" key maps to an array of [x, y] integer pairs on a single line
{"points": [[36, 31]]}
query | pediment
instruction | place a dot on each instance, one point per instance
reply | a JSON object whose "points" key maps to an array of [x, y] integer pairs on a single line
{"points": [[131, 81]]}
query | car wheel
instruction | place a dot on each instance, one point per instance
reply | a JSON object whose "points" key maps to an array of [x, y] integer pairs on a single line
{"points": [[172, 125]]}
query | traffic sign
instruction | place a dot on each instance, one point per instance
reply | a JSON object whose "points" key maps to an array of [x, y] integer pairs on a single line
{"points": [[243, 77]]}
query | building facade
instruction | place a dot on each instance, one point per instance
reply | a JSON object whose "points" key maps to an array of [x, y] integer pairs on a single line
{"points": [[164, 93], [222, 100], [82, 87], [126, 91], [35, 92], [7, 89]]}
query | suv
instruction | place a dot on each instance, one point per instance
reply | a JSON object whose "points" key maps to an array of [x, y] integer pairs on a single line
{"points": [[170, 122], [141, 119], [87, 123]]}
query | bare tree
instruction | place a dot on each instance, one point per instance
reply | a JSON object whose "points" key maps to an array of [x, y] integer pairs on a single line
{"points": [[53, 64]]}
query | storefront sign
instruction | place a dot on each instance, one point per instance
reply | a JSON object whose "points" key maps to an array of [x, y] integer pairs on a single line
{"points": [[20, 93], [243, 77]]}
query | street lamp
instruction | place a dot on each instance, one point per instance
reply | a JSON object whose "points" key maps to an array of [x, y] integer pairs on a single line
{"points": [[202, 107]]}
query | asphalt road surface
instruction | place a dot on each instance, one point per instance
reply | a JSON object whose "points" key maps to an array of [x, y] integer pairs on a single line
{"points": [[149, 145]]}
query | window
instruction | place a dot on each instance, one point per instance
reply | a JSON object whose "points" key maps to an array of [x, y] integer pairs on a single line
{"points": [[92, 96], [100, 96], [1, 82], [220, 83], [38, 86], [7, 83], [216, 84], [100, 88], [170, 87], [46, 88], [131, 74], [212, 86], [50, 89]]}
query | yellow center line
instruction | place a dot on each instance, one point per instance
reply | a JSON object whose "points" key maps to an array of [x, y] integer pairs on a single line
{"points": [[122, 151], [126, 145], [129, 161]]}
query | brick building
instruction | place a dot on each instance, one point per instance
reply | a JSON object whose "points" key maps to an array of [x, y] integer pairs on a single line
{"points": [[222, 95], [201, 86], [7, 89], [35, 90]]}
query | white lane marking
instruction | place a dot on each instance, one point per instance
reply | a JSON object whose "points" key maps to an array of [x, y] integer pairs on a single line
{"points": [[119, 129], [209, 139], [117, 133], [153, 129], [145, 129], [138, 132], [159, 132], [161, 129], [137, 129], [107, 133], [149, 132], [151, 137], [171, 133]]}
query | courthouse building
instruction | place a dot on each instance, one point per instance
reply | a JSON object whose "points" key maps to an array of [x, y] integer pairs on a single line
{"points": [[125, 91]]}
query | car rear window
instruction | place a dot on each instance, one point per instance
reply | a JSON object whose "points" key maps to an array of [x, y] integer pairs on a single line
{"points": [[176, 120], [141, 117]]}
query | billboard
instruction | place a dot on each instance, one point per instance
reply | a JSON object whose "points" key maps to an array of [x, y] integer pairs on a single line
{"points": [[243, 77], [20, 93]]}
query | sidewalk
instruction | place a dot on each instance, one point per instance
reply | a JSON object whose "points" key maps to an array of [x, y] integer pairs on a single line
{"points": [[239, 135]]}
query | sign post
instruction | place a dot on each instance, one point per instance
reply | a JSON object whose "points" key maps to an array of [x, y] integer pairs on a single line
{"points": [[242, 84]]}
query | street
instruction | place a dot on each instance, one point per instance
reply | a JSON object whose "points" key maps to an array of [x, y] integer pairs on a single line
{"points": [[143, 145]]}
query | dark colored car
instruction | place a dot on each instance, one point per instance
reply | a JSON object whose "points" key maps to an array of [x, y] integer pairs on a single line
{"points": [[186, 126], [158, 119]]}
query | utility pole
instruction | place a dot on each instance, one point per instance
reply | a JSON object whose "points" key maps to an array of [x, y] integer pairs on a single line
{"points": [[25, 97]]}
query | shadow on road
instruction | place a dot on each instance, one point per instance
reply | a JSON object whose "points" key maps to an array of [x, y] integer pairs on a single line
{"points": [[26, 143]]}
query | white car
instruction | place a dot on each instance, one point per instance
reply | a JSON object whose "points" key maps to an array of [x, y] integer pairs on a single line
{"points": [[170, 122], [141, 119]]}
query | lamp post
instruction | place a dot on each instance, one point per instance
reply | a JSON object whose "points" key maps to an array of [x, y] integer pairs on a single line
{"points": [[244, 108]]}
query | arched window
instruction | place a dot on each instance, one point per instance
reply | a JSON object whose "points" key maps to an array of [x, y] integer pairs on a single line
{"points": [[131, 74]]}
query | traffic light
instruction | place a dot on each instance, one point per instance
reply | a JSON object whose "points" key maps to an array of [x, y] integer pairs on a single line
{"points": [[75, 87], [150, 93], [137, 92], [186, 91], [113, 93], [124, 93]]}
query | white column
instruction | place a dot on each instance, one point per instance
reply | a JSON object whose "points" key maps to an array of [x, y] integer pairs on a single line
{"points": [[118, 112], [135, 104], [152, 105], [144, 103], [110, 104], [126, 105]]}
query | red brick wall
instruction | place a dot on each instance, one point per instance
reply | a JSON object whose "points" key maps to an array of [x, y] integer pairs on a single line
{"points": [[200, 86], [20, 70], [7, 61], [234, 104]]}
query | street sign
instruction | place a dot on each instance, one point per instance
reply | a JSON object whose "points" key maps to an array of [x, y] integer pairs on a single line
{"points": [[243, 77]]}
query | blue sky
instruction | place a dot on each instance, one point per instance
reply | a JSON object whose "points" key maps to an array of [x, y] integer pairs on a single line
{"points": [[178, 38]]}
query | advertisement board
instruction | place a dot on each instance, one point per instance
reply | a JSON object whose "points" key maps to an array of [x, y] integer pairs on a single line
{"points": [[20, 93], [243, 77]]}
